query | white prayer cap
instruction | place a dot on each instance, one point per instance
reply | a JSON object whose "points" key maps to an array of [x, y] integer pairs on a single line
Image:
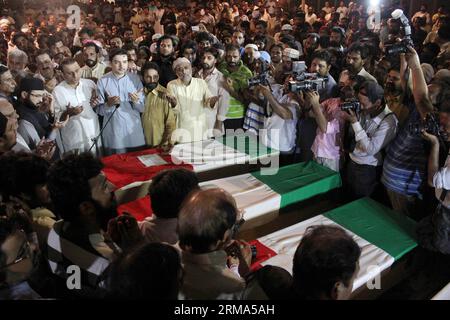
{"points": [[286, 27], [251, 45], [156, 36], [179, 62], [291, 53], [4, 21]]}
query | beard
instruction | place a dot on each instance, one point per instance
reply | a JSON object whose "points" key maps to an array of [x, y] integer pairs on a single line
{"points": [[151, 86], [28, 103], [105, 214], [91, 63], [206, 66], [392, 89]]}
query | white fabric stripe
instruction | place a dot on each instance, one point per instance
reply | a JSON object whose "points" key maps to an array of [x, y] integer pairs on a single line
{"points": [[207, 155], [444, 294], [373, 260], [80, 257], [259, 202]]}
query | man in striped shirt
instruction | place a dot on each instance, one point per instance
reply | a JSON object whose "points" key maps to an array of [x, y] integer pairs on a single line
{"points": [[404, 169], [83, 198]]}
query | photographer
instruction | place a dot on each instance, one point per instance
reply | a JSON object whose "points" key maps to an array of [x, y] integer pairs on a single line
{"points": [[280, 124], [433, 231], [404, 173], [210, 257], [328, 144], [321, 64], [374, 129]]}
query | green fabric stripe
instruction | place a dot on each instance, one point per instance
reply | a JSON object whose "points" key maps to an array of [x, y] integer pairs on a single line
{"points": [[300, 181], [248, 145], [388, 230], [235, 109]]}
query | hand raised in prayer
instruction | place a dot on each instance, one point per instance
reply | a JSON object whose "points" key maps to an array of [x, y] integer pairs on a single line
{"points": [[95, 101], [113, 101], [60, 124], [74, 111], [134, 97], [46, 148], [124, 230]]}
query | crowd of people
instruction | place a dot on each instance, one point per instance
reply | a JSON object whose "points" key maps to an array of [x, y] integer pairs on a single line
{"points": [[337, 86]]}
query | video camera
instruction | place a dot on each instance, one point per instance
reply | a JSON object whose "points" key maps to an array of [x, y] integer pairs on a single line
{"points": [[262, 77], [308, 84], [355, 106], [402, 46], [305, 81]]}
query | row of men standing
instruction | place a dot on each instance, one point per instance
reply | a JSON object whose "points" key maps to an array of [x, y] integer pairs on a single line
{"points": [[132, 114]]}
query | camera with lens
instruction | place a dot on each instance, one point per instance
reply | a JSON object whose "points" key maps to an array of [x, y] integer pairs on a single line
{"points": [[261, 78], [397, 48], [299, 71], [402, 46], [311, 84], [355, 106], [430, 124]]}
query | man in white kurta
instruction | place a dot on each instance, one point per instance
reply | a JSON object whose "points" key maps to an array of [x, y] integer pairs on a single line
{"points": [[190, 96], [72, 98], [215, 80]]}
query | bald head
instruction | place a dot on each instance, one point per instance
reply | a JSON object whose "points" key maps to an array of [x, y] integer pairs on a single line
{"points": [[205, 218]]}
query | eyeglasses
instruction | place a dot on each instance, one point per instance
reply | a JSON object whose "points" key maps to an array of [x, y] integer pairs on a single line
{"points": [[24, 253], [37, 95]]}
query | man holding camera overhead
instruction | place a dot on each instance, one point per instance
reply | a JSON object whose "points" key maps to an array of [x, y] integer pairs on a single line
{"points": [[404, 170], [373, 128]]}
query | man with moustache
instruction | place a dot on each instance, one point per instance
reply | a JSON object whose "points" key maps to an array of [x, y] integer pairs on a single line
{"points": [[93, 69], [7, 84], [165, 59], [72, 99], [158, 119], [191, 97], [237, 75], [35, 108], [215, 80], [395, 95], [356, 55], [46, 71]]}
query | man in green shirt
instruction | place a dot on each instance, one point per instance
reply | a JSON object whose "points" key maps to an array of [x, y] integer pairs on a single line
{"points": [[237, 75], [158, 119]]}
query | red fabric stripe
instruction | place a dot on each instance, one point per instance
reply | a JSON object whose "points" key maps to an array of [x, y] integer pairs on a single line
{"points": [[263, 253], [123, 169], [140, 208]]}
